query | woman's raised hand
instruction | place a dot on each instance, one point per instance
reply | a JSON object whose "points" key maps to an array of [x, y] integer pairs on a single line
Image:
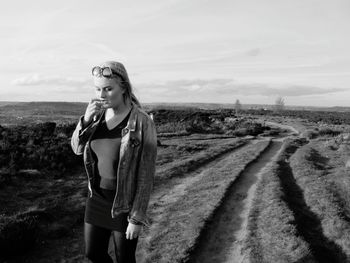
{"points": [[92, 110]]}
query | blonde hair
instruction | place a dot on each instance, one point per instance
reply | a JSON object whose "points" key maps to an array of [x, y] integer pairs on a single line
{"points": [[128, 93], [123, 80]]}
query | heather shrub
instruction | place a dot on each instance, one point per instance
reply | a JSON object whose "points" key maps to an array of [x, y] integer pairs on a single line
{"points": [[328, 131], [17, 234]]}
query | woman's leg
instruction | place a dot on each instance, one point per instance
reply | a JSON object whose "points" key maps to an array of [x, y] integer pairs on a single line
{"points": [[96, 243], [124, 248]]}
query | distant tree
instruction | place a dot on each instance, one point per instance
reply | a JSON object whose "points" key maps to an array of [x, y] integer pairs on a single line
{"points": [[238, 107], [279, 104]]}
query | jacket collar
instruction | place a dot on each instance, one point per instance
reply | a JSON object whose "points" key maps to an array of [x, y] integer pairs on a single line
{"points": [[132, 118], [131, 125]]}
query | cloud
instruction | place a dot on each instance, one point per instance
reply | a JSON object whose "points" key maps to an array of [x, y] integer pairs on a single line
{"points": [[253, 52], [284, 90], [220, 88], [38, 80], [186, 90]]}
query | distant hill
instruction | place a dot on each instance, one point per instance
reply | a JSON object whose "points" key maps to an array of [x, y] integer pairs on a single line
{"points": [[213, 106], [24, 113], [34, 112], [44, 107]]}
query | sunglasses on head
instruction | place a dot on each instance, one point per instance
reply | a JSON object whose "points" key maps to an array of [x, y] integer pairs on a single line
{"points": [[103, 72]]}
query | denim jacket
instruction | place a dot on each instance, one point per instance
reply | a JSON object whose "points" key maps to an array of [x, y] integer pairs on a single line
{"points": [[135, 174]]}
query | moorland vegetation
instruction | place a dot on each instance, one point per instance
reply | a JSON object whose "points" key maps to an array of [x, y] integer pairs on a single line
{"points": [[200, 155], [32, 155]]}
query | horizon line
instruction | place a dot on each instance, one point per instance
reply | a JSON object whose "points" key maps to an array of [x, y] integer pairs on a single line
{"points": [[213, 103]]}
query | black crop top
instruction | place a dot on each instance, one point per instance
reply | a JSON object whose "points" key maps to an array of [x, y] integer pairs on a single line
{"points": [[105, 145]]}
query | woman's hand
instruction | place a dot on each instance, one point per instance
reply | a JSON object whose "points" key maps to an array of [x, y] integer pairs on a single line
{"points": [[92, 109], [133, 231]]}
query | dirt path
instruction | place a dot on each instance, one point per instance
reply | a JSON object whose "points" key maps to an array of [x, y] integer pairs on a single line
{"points": [[308, 223], [221, 240], [283, 126], [172, 191]]}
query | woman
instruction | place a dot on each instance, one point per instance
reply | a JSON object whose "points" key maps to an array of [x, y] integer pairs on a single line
{"points": [[119, 143]]}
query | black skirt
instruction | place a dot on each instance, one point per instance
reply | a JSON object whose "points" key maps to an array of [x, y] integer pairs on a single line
{"points": [[98, 211]]}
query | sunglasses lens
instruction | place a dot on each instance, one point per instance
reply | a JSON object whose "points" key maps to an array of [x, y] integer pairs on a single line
{"points": [[99, 72], [96, 71], [107, 72]]}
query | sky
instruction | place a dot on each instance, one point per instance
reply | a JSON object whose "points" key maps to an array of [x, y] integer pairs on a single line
{"points": [[212, 51]]}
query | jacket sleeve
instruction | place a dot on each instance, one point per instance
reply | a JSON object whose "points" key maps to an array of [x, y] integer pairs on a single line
{"points": [[145, 174], [80, 136]]}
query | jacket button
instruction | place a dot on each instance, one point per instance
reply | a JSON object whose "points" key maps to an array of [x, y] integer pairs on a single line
{"points": [[125, 131]]}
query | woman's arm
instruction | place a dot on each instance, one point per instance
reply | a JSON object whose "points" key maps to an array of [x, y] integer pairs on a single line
{"points": [[145, 175], [82, 131], [80, 136]]}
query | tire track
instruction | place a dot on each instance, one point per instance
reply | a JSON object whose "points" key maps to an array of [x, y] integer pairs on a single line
{"points": [[308, 224], [174, 187], [168, 193], [222, 239]]}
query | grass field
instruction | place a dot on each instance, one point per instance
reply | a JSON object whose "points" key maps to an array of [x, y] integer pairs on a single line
{"points": [[301, 209], [284, 196], [178, 224]]}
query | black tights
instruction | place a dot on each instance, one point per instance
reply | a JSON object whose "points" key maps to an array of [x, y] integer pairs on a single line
{"points": [[97, 242]]}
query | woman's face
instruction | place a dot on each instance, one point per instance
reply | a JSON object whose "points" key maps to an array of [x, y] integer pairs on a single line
{"points": [[109, 91]]}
